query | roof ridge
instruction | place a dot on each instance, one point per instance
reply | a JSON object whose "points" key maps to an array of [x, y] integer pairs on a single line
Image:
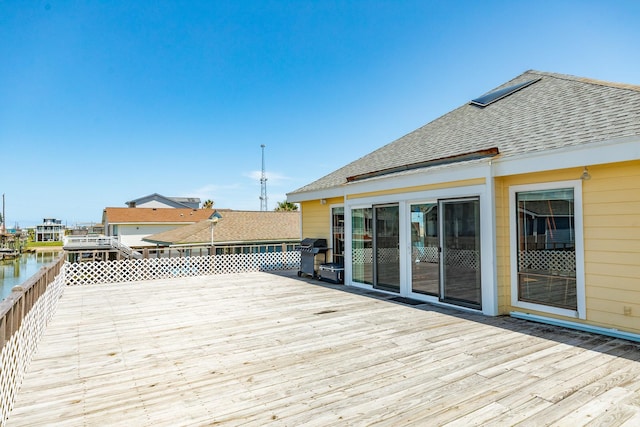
{"points": [[586, 80]]}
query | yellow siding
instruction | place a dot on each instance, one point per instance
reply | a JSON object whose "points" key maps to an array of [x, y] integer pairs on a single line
{"points": [[611, 200], [611, 216], [503, 257], [316, 221], [316, 218], [452, 184], [502, 245]]}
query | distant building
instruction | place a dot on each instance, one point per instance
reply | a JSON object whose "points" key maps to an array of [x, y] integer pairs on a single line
{"points": [[51, 230], [156, 200], [266, 231], [86, 229], [131, 225]]}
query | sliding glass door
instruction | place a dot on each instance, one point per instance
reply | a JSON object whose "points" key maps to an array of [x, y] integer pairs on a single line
{"points": [[362, 245], [375, 252], [445, 250], [460, 257], [444, 256], [386, 245], [425, 249]]}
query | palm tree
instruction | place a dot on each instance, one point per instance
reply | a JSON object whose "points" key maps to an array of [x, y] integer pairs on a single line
{"points": [[286, 206], [207, 204]]}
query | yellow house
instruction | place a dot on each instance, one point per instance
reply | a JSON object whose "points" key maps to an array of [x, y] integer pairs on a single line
{"points": [[522, 202]]}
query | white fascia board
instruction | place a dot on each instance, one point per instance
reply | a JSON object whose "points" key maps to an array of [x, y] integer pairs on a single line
{"points": [[427, 176], [436, 175], [315, 195], [611, 151]]}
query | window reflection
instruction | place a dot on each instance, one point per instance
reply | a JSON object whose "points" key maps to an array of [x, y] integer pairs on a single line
{"points": [[546, 247]]}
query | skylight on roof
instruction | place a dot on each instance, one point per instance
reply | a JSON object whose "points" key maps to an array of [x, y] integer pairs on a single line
{"points": [[496, 95]]}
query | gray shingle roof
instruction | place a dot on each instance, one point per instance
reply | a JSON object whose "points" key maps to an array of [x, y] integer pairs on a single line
{"points": [[236, 226], [557, 111]]}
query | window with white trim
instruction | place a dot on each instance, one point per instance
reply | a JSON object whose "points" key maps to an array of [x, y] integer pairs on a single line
{"points": [[546, 225]]}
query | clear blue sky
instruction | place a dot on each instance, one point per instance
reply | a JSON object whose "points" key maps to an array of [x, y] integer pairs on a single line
{"points": [[102, 102]]}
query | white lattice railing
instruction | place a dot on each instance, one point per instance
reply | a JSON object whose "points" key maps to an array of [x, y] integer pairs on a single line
{"points": [[23, 323], [133, 270]]}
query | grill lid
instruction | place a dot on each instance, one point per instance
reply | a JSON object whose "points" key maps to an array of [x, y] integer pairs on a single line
{"points": [[313, 243]]}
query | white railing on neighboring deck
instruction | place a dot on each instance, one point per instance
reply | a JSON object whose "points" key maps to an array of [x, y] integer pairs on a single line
{"points": [[98, 242]]}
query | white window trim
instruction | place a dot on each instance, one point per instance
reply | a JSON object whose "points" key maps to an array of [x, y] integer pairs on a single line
{"points": [[581, 312]]}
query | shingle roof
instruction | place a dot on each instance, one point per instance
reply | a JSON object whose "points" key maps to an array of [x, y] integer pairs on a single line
{"points": [[154, 215], [237, 226], [557, 111], [184, 202]]}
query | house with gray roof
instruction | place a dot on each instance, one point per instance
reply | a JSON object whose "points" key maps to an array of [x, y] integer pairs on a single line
{"points": [[156, 200], [524, 201]]}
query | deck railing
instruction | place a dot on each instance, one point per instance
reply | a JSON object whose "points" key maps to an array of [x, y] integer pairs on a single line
{"points": [[25, 313], [133, 270], [102, 242]]}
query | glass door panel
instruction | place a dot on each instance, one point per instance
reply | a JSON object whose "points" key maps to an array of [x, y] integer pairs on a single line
{"points": [[425, 254], [461, 252], [337, 234], [387, 247], [362, 245]]}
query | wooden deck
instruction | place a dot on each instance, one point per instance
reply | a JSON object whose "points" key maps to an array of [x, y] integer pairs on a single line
{"points": [[265, 349]]}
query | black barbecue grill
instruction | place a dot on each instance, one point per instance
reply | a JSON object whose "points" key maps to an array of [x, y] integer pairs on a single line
{"points": [[309, 248]]}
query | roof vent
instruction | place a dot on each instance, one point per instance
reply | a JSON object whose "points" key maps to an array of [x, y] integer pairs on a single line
{"points": [[497, 95]]}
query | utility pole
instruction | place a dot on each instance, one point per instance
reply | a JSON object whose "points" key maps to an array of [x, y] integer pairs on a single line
{"points": [[263, 185]]}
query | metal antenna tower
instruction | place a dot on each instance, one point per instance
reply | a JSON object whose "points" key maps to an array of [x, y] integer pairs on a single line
{"points": [[263, 184]]}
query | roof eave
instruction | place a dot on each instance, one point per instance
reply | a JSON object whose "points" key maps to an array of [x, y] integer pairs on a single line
{"points": [[324, 193]]}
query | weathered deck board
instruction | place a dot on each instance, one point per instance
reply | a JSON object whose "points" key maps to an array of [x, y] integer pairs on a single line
{"points": [[261, 349]]}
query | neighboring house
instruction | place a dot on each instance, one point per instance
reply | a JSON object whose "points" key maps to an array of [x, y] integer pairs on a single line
{"points": [[525, 201], [51, 230], [265, 231], [131, 225], [156, 200]]}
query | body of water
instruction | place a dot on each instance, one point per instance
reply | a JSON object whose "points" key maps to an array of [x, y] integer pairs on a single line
{"points": [[15, 271]]}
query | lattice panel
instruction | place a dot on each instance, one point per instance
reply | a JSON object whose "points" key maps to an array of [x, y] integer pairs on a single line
{"points": [[426, 254], [365, 255], [18, 351], [388, 255], [453, 257], [132, 270], [240, 263], [362, 256], [462, 258], [564, 261]]}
